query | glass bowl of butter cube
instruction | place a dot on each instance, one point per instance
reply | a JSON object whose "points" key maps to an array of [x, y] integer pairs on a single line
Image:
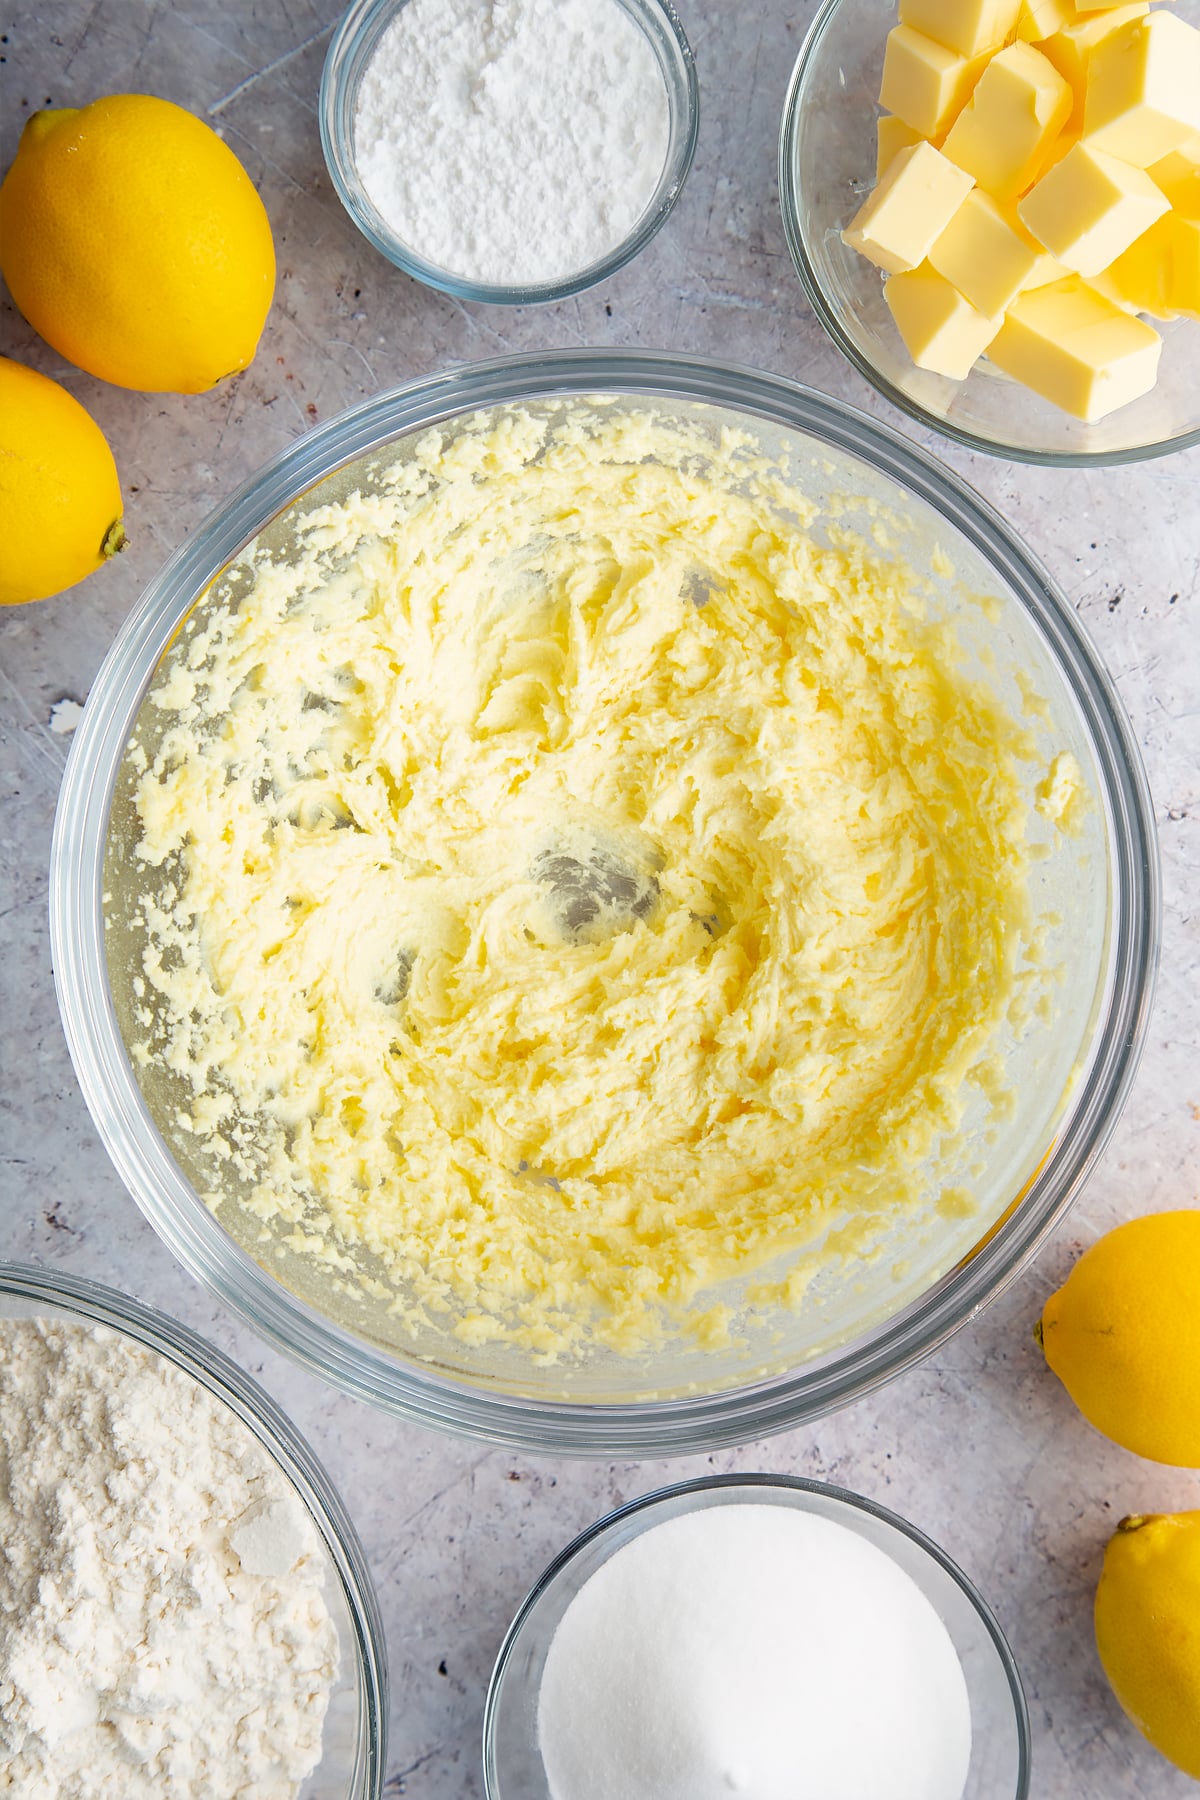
{"points": [[994, 207]]}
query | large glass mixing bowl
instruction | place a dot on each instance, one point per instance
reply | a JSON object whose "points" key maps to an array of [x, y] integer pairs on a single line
{"points": [[862, 1319]]}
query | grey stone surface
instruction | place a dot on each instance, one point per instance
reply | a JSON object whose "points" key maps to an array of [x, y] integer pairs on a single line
{"points": [[980, 1446]]}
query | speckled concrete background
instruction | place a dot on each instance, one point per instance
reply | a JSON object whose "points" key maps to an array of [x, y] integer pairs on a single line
{"points": [[979, 1446]]}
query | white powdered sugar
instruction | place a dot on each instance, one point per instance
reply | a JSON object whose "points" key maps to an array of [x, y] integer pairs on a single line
{"points": [[163, 1630], [512, 141]]}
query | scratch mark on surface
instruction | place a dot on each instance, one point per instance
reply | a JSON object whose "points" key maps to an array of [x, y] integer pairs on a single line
{"points": [[477, 325], [398, 1551], [218, 106], [42, 741], [219, 43], [344, 344], [268, 162], [395, 1783], [83, 37], [709, 297]]}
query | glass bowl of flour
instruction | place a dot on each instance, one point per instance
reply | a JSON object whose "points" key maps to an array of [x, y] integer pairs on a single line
{"points": [[186, 1605], [510, 153], [497, 940], [760, 1634]]}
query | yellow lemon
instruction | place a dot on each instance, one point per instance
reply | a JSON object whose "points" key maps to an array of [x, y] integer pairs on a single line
{"points": [[134, 241], [1123, 1336], [60, 500], [1148, 1630]]}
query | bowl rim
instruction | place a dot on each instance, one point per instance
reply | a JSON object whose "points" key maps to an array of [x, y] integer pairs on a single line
{"points": [[100, 1304], [676, 1424], [827, 314], [703, 1487], [351, 45]]}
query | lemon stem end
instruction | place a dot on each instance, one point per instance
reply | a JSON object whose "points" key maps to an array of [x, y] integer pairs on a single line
{"points": [[39, 124]]}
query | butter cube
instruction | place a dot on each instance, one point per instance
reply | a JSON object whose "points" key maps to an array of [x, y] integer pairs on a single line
{"points": [[1077, 349], [1004, 133], [1143, 89], [983, 256], [911, 206], [1104, 285], [1179, 179], [941, 331], [891, 136], [1160, 273], [1045, 268], [1040, 19], [1183, 263], [1071, 47], [966, 26], [1090, 207], [925, 84]]}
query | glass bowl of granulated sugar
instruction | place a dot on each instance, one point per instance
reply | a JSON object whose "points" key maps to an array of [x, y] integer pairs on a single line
{"points": [[514, 152], [757, 1635]]}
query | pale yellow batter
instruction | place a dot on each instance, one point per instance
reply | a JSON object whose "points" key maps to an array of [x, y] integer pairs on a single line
{"points": [[577, 884]]}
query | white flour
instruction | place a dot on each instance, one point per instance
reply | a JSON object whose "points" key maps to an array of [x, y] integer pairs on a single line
{"points": [[512, 141], [162, 1625]]}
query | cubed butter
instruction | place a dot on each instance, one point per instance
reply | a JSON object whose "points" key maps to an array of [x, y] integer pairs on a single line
{"points": [[1070, 49], [982, 255], [1075, 348], [1143, 89], [1040, 19], [891, 136], [942, 332], [1045, 268], [925, 84], [968, 27], [1183, 268], [1160, 273], [1065, 141], [1090, 207], [1184, 195], [1179, 180], [912, 205], [1104, 285], [1004, 133]]}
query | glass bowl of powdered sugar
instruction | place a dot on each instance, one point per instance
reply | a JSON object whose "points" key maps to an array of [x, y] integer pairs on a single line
{"points": [[185, 1608], [758, 1635], [511, 151]]}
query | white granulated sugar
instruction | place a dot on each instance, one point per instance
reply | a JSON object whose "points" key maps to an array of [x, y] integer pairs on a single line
{"points": [[753, 1651], [512, 141], [163, 1632]]}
